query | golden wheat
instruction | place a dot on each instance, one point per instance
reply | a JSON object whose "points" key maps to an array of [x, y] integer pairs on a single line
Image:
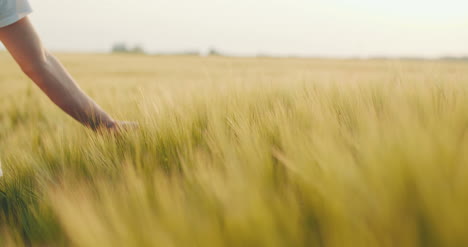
{"points": [[240, 152]]}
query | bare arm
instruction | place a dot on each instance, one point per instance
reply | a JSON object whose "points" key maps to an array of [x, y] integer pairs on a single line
{"points": [[45, 70]]}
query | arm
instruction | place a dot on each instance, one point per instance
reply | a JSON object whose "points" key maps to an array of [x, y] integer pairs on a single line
{"points": [[23, 43]]}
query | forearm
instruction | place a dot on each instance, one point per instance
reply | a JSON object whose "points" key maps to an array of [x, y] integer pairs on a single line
{"points": [[60, 87], [45, 70]]}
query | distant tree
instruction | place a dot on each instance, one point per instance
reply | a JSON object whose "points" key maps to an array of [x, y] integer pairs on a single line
{"points": [[138, 49], [123, 48], [120, 48], [214, 52]]}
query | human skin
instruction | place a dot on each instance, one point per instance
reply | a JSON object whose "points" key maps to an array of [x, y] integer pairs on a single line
{"points": [[46, 71]]}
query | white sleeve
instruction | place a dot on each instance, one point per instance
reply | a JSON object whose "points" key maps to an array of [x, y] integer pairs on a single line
{"points": [[12, 11]]}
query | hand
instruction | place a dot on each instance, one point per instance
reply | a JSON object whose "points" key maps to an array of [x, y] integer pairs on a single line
{"points": [[118, 127], [123, 126]]}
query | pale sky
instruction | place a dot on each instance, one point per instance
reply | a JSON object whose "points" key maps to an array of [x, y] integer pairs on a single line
{"points": [[284, 27]]}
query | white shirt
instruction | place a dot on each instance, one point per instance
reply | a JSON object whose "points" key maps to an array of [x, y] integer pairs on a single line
{"points": [[12, 11]]}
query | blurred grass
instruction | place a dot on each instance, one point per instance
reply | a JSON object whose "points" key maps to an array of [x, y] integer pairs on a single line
{"points": [[240, 152]]}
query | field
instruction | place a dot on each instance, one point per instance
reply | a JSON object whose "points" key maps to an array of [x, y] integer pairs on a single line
{"points": [[239, 152]]}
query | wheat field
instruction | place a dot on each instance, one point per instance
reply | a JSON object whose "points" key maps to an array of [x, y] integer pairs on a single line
{"points": [[239, 152]]}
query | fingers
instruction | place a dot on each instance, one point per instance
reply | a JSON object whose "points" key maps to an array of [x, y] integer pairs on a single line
{"points": [[125, 125], [118, 127]]}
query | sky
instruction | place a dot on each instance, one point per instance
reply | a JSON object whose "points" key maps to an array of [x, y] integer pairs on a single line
{"points": [[327, 28]]}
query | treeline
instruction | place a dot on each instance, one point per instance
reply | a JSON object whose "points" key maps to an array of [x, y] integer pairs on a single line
{"points": [[464, 58], [122, 47]]}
